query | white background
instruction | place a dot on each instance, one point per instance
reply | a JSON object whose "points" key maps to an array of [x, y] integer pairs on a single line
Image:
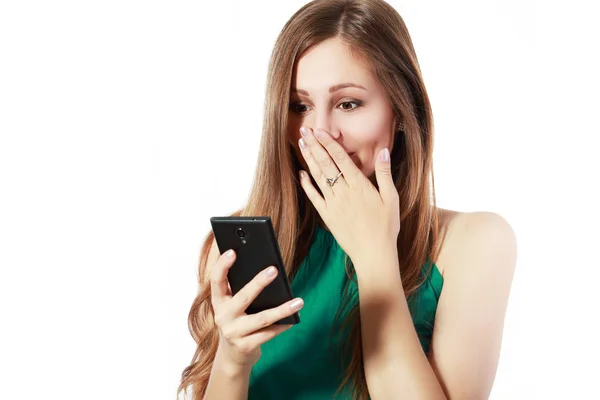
{"points": [[125, 125]]}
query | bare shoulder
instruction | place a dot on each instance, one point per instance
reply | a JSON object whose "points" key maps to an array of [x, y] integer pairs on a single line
{"points": [[472, 235], [478, 258]]}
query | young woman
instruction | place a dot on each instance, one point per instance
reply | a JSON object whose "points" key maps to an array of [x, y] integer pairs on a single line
{"points": [[399, 298]]}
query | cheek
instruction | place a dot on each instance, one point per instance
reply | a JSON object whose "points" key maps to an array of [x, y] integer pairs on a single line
{"points": [[368, 129], [293, 137], [369, 133], [372, 126], [294, 132]]}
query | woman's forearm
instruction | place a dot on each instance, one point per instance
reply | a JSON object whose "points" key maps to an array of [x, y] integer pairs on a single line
{"points": [[227, 382], [395, 364]]}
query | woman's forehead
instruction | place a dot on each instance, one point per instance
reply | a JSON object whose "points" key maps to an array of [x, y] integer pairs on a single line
{"points": [[330, 63]]}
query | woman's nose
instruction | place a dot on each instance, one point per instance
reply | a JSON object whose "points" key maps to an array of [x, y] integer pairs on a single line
{"points": [[324, 121]]}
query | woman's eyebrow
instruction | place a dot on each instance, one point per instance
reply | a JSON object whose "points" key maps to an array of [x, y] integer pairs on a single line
{"points": [[332, 89]]}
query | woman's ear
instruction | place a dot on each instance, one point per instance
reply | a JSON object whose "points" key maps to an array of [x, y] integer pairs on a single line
{"points": [[400, 126]]}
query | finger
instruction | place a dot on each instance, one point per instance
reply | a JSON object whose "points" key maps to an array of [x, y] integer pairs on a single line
{"points": [[322, 156], [319, 162], [311, 192], [385, 181], [254, 322], [242, 299], [339, 156], [219, 285], [258, 338], [314, 169]]}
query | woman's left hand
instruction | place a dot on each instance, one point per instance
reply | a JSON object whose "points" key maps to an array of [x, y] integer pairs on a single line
{"points": [[364, 221]]}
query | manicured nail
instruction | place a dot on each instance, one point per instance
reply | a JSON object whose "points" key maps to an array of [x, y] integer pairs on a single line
{"points": [[304, 131], [229, 253], [296, 304], [302, 174], [384, 155], [271, 271], [302, 143]]}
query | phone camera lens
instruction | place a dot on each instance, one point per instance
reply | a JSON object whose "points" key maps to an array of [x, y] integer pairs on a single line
{"points": [[240, 232]]}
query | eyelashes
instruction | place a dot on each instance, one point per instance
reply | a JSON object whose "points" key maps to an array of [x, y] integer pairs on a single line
{"points": [[297, 107]]}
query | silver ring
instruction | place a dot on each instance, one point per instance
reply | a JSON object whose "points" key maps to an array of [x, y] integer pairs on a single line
{"points": [[332, 181]]}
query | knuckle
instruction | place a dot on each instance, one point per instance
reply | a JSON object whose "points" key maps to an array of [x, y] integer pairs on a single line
{"points": [[244, 347], [219, 320], [285, 310], [259, 282], [327, 162], [214, 275], [244, 299], [261, 285], [227, 333], [318, 175], [339, 156], [263, 320]]}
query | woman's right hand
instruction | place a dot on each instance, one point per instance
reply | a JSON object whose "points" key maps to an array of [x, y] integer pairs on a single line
{"points": [[240, 334]]}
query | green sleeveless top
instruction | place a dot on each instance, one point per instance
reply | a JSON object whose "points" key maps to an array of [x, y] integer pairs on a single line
{"points": [[305, 362]]}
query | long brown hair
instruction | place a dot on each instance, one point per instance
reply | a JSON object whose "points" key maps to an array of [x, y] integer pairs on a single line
{"points": [[376, 32]]}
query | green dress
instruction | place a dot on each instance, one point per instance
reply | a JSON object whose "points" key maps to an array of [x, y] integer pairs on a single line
{"points": [[304, 362]]}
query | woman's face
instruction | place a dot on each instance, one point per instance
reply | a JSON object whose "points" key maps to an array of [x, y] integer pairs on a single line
{"points": [[358, 117]]}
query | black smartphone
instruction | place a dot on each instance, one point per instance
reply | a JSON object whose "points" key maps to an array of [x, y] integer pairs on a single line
{"points": [[255, 244]]}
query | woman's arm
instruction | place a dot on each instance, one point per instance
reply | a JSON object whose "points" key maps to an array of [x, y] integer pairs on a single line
{"points": [[469, 319], [240, 335], [394, 362], [227, 381], [469, 322]]}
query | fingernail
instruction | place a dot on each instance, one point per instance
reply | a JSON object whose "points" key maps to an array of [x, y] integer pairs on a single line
{"points": [[384, 155], [303, 131], [229, 253], [302, 143], [302, 174], [271, 271], [296, 304]]}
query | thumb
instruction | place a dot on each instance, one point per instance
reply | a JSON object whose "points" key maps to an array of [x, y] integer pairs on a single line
{"points": [[383, 174]]}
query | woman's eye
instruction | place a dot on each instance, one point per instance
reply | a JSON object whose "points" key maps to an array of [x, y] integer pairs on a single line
{"points": [[300, 108], [344, 105]]}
